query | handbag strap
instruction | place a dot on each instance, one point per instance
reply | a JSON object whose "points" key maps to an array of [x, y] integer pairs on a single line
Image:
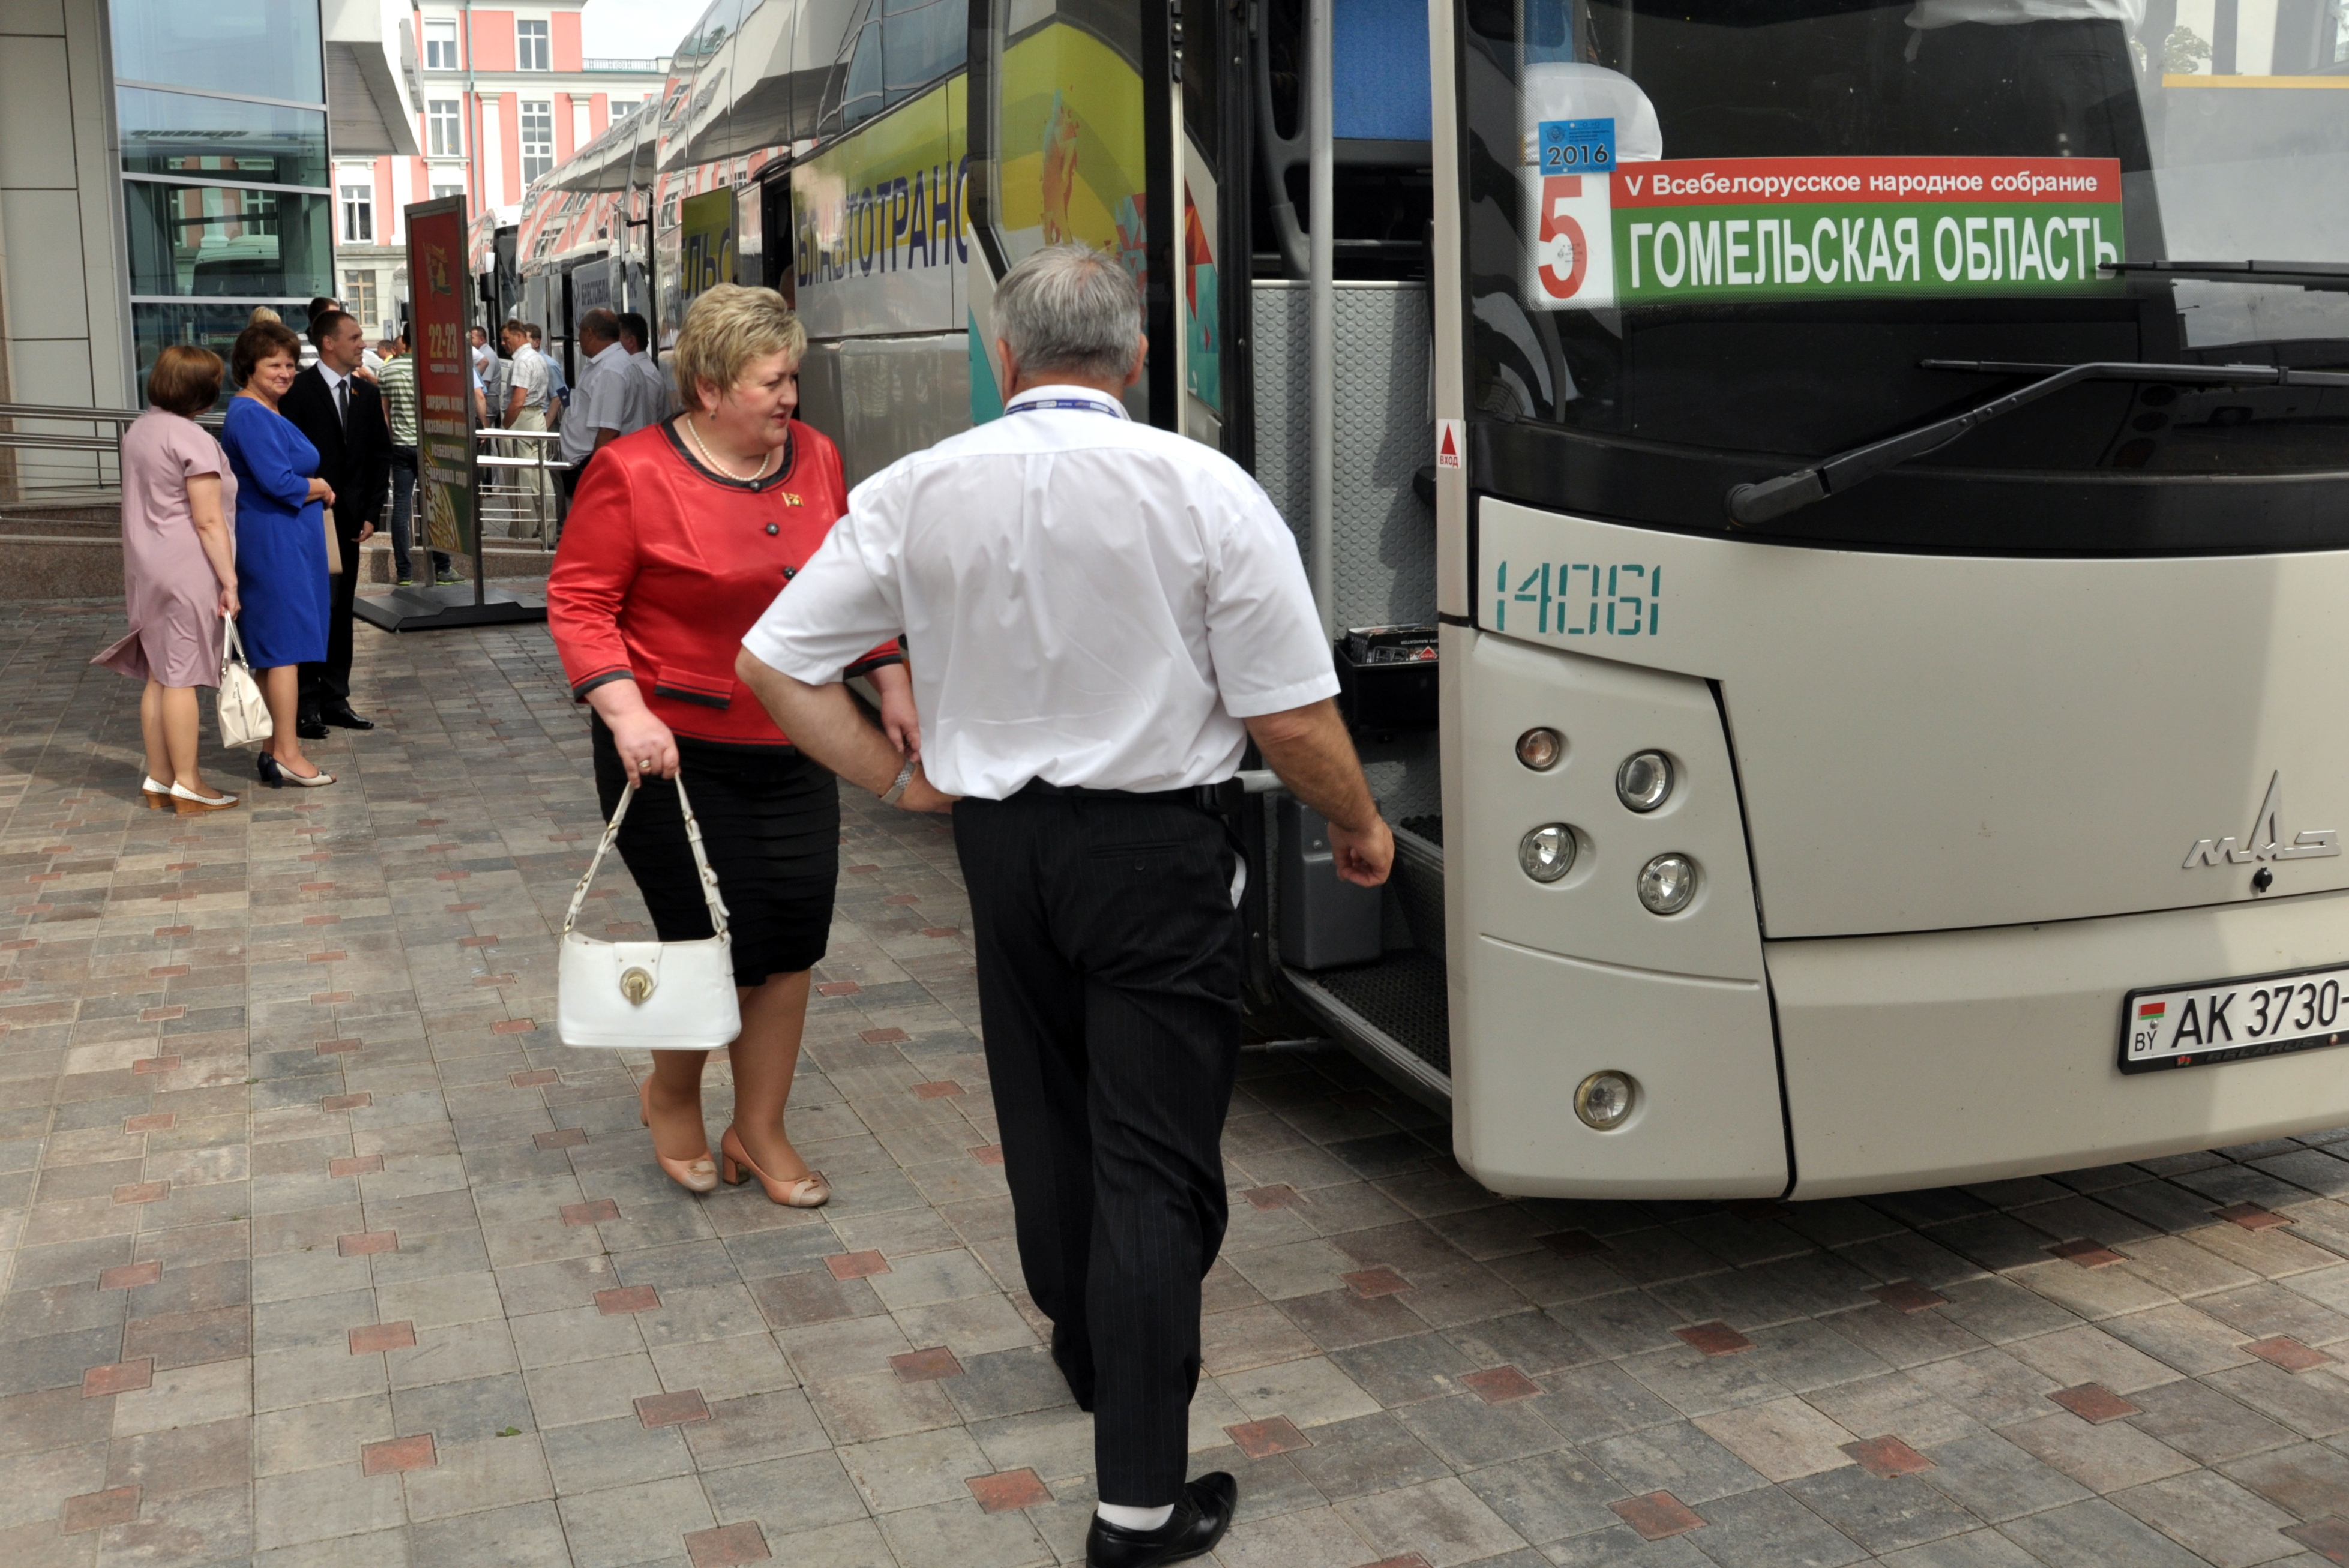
{"points": [[233, 650], [693, 840]]}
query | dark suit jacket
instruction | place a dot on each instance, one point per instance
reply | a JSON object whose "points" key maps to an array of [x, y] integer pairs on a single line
{"points": [[359, 467]]}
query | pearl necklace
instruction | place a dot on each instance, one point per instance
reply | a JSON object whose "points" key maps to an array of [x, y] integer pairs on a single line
{"points": [[750, 477]]}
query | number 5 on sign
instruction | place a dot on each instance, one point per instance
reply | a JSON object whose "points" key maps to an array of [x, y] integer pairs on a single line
{"points": [[1574, 243]]}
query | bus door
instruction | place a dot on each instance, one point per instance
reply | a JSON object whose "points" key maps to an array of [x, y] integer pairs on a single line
{"points": [[777, 270], [1074, 123], [1369, 968]]}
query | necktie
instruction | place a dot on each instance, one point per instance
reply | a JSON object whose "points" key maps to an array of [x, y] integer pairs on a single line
{"points": [[343, 406]]}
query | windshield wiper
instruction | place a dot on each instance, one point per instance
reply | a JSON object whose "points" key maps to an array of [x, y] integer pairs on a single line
{"points": [[1772, 498], [2331, 277]]}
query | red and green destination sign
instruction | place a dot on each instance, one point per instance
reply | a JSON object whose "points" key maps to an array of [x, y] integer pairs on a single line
{"points": [[1792, 228]]}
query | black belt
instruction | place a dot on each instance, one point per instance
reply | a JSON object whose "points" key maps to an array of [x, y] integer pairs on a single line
{"points": [[1219, 800]]}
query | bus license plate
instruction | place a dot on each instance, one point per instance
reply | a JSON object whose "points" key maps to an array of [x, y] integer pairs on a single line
{"points": [[2230, 1020]]}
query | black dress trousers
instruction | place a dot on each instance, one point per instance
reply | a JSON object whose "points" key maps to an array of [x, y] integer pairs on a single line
{"points": [[1109, 980], [329, 684]]}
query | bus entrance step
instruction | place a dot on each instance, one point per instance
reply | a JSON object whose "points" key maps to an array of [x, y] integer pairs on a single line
{"points": [[1393, 1013]]}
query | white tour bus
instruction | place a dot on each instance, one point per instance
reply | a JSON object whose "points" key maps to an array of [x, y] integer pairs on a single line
{"points": [[1833, 517]]}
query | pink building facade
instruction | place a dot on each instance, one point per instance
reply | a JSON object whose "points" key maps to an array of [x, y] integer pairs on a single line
{"points": [[505, 94]]}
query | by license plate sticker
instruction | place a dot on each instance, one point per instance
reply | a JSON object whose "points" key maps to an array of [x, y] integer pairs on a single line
{"points": [[2233, 1020]]}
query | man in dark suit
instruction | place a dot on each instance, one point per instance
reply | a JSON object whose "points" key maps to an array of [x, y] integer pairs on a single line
{"points": [[342, 416]]}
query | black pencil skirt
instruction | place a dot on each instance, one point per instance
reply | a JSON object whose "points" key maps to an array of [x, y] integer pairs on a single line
{"points": [[770, 827]]}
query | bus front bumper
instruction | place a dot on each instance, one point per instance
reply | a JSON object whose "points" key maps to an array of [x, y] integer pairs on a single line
{"points": [[1922, 1060]]}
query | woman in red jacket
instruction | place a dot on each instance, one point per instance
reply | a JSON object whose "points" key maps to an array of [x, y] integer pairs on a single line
{"points": [[679, 537]]}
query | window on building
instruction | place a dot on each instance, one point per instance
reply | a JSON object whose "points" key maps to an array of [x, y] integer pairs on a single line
{"points": [[446, 184], [358, 212], [359, 299], [537, 140], [531, 52], [444, 128], [440, 45]]}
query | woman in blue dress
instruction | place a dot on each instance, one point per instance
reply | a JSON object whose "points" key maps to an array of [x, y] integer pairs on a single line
{"points": [[281, 543]]}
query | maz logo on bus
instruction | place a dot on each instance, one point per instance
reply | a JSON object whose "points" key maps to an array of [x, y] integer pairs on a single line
{"points": [[2266, 838], [1567, 601]]}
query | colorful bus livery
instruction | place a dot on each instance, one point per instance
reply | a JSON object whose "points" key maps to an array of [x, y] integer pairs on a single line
{"points": [[915, 221]]}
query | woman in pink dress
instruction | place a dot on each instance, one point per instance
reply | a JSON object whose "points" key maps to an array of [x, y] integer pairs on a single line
{"points": [[178, 570]]}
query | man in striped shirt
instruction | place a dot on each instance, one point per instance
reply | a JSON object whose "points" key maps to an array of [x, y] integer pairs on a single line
{"points": [[396, 380]]}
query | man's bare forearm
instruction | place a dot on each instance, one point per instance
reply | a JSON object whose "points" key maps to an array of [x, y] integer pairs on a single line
{"points": [[1310, 749], [823, 722]]}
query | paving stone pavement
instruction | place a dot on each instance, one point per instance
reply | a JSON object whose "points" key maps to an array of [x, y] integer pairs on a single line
{"points": [[319, 1248]]}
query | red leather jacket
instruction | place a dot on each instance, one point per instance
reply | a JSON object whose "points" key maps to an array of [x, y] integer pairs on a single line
{"points": [[664, 566]]}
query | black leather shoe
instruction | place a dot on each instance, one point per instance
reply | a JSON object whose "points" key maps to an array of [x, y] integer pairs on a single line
{"points": [[310, 727], [342, 717], [1199, 1521]]}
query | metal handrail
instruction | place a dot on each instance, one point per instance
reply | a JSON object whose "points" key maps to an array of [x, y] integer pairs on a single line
{"points": [[61, 443], [88, 416], [518, 499]]}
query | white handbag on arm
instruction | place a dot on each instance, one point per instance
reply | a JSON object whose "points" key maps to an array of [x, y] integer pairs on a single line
{"points": [[243, 716], [648, 995]]}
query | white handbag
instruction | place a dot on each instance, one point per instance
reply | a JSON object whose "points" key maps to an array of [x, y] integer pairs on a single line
{"points": [[243, 716], [648, 995]]}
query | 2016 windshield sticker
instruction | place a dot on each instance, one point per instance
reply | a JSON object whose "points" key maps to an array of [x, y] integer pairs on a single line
{"points": [[1577, 146], [1792, 228], [1566, 601]]}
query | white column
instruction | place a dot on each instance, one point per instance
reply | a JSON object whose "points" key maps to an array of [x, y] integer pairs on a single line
{"points": [[490, 161]]}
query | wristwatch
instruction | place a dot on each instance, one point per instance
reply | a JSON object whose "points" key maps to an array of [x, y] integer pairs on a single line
{"points": [[897, 791]]}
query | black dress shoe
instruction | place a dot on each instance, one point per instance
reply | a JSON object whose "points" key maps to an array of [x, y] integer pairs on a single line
{"points": [[310, 727], [1199, 1521], [342, 717]]}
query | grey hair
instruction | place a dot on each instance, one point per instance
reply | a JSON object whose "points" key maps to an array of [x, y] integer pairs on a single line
{"points": [[1071, 309]]}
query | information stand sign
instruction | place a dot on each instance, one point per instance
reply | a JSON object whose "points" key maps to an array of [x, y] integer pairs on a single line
{"points": [[447, 489]]}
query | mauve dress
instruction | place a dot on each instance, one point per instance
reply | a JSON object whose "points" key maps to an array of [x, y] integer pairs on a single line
{"points": [[168, 583]]}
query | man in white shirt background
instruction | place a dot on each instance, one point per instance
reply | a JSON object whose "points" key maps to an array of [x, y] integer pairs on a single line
{"points": [[600, 403], [558, 389], [656, 399], [529, 386], [1101, 616]]}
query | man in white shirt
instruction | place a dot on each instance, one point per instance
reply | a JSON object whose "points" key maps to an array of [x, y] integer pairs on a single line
{"points": [[655, 398], [558, 397], [600, 403], [1101, 616], [530, 383], [486, 369]]}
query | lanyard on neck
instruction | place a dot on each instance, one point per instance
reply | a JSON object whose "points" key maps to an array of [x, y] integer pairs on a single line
{"points": [[1091, 405]]}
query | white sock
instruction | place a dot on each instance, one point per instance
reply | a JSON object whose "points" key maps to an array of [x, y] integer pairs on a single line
{"points": [[1126, 1518]]}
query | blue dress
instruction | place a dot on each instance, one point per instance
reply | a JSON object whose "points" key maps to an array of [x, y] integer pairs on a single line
{"points": [[280, 539]]}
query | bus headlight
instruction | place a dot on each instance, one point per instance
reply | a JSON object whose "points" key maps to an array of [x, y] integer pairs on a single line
{"points": [[1546, 853], [1667, 883], [1603, 1099], [1644, 781], [1539, 750]]}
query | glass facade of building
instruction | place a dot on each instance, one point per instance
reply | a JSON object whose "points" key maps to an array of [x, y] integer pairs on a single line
{"points": [[226, 186]]}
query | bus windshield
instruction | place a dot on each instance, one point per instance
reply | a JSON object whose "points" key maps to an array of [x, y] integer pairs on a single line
{"points": [[1709, 238]]}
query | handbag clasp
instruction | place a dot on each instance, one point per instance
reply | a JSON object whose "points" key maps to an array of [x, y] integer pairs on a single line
{"points": [[636, 984]]}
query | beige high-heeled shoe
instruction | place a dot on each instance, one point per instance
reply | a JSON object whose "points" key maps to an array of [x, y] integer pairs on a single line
{"points": [[808, 1192], [699, 1174]]}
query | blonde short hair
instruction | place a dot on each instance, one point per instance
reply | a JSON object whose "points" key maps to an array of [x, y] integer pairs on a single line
{"points": [[728, 328]]}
